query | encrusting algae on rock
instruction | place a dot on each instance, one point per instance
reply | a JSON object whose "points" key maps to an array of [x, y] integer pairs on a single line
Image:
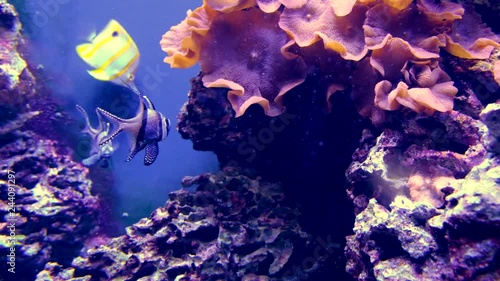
{"points": [[233, 227]]}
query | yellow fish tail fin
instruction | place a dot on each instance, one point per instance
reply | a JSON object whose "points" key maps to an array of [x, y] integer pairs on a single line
{"points": [[99, 74]]}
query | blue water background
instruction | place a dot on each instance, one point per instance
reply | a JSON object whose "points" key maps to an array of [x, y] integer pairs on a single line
{"points": [[57, 26]]}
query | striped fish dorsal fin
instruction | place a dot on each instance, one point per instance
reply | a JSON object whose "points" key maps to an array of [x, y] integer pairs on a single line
{"points": [[118, 124], [148, 103]]}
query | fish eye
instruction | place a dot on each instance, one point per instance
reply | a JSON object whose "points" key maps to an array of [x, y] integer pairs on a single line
{"points": [[115, 33]]}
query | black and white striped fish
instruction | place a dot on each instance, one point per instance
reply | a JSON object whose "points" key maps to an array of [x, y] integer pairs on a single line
{"points": [[146, 128]]}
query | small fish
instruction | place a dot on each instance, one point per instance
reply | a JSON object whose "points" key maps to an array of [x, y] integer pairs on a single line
{"points": [[97, 151], [147, 128], [113, 54]]}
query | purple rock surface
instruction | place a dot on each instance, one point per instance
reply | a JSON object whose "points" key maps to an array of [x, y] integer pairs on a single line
{"points": [[427, 200], [232, 227]]}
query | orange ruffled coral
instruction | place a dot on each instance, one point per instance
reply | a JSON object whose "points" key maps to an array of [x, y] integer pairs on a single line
{"points": [[182, 42], [433, 91], [441, 11], [391, 59], [470, 38], [344, 7], [180, 46], [268, 6], [316, 20], [426, 87], [384, 22], [496, 71], [228, 6], [242, 52], [271, 6]]}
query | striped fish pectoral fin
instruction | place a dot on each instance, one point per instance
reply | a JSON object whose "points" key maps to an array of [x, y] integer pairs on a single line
{"points": [[152, 151], [117, 123], [99, 74]]}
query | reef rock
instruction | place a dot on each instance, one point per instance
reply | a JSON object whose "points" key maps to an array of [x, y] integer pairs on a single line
{"points": [[16, 80], [46, 207], [231, 228], [427, 200]]}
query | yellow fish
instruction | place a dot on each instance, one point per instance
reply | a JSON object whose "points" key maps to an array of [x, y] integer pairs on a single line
{"points": [[113, 54]]}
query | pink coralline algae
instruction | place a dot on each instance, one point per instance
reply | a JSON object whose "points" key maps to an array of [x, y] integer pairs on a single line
{"points": [[253, 48]]}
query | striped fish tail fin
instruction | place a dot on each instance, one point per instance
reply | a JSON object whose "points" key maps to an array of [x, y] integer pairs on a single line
{"points": [[117, 123]]}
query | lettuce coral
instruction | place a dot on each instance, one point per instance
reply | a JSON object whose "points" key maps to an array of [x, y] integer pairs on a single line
{"points": [[432, 90], [470, 38], [228, 6], [270, 6], [440, 11], [384, 22], [317, 20], [496, 72], [179, 45], [344, 7], [258, 50], [408, 77], [182, 42], [257, 72]]}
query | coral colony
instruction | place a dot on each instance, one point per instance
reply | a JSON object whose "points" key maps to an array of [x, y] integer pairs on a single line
{"points": [[358, 140], [397, 46]]}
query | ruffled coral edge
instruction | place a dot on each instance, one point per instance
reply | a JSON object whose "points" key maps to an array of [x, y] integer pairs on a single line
{"points": [[496, 71]]}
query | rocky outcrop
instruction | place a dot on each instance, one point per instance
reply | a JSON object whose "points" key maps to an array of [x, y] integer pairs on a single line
{"points": [[233, 227]]}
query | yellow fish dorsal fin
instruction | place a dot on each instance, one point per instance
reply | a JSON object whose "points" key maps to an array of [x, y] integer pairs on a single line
{"points": [[99, 74], [112, 29], [115, 26]]}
